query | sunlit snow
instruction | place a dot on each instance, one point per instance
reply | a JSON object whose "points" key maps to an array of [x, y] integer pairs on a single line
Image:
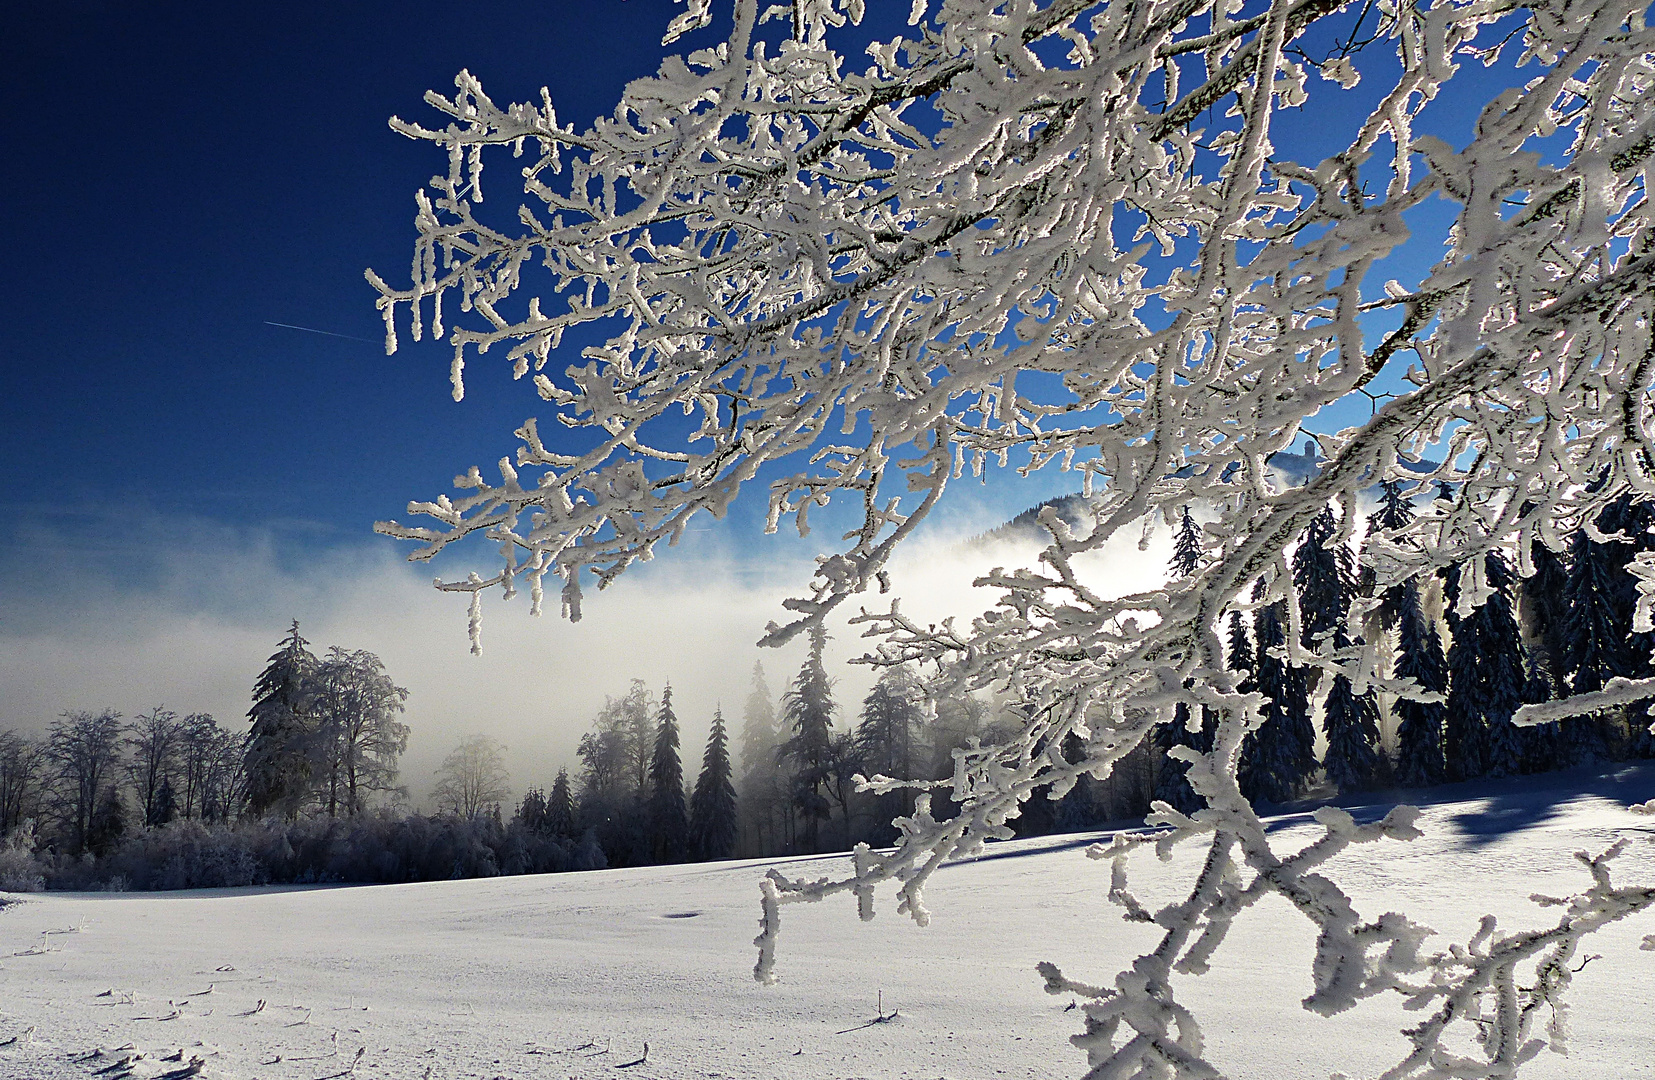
{"points": [[571, 975]]}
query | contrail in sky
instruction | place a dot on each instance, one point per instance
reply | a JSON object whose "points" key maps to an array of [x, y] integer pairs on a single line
{"points": [[312, 330]]}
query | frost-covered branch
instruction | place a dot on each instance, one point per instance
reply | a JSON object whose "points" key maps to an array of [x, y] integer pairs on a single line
{"points": [[1069, 233]]}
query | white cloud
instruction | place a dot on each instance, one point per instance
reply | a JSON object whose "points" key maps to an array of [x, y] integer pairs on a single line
{"points": [[195, 629]]}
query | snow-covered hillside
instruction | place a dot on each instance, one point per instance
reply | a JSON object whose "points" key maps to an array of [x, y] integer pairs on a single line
{"points": [[571, 975]]}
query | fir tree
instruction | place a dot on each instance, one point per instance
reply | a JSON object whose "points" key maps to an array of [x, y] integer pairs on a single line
{"points": [[886, 744], [1594, 637], [1419, 723], [1279, 755], [560, 807], [1324, 575], [109, 822], [277, 753], [1186, 546], [713, 805], [669, 825], [1541, 742], [531, 812], [807, 709], [1394, 512], [1485, 680], [1240, 659], [1172, 784], [766, 795]]}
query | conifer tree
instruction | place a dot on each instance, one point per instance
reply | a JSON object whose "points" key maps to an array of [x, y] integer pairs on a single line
{"points": [[1419, 760], [669, 825], [766, 795], [1280, 753], [886, 743], [531, 812], [1545, 606], [278, 756], [713, 804], [1485, 680], [1324, 575], [807, 710], [560, 807], [1594, 636], [1186, 546], [1172, 784]]}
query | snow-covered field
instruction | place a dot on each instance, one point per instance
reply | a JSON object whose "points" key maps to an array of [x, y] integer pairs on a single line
{"points": [[571, 975]]}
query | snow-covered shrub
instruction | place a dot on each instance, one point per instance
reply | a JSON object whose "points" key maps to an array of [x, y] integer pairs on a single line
{"points": [[20, 871], [187, 855]]}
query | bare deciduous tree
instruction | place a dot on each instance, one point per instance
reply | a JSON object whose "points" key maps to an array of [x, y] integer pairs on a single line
{"points": [[22, 762], [472, 778], [358, 735], [84, 750]]}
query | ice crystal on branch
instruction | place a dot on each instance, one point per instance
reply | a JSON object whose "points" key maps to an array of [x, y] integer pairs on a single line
{"points": [[1071, 231]]}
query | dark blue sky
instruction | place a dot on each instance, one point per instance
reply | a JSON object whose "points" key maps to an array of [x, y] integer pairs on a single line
{"points": [[183, 173]]}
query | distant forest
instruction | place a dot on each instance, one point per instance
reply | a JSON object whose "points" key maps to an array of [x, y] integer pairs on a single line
{"points": [[309, 791]]}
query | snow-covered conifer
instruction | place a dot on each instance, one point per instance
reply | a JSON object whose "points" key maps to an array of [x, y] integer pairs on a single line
{"points": [[766, 801], [713, 818], [1278, 757], [1186, 545], [669, 823], [887, 742], [1324, 573], [560, 807], [279, 750], [1486, 679], [1419, 660], [807, 708]]}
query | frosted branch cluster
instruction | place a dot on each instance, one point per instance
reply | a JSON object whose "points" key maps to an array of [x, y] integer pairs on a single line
{"points": [[1062, 233]]}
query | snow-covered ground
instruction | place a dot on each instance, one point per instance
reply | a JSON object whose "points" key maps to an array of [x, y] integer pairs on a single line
{"points": [[571, 975]]}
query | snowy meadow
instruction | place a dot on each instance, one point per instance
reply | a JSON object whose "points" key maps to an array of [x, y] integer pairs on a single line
{"points": [[572, 975]]}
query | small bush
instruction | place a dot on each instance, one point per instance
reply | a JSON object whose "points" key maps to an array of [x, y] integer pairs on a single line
{"points": [[20, 871], [372, 849]]}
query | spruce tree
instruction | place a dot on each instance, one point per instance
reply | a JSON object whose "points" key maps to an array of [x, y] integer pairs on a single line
{"points": [[807, 709], [560, 807], [531, 812], [886, 743], [1594, 637], [669, 826], [1172, 784], [1485, 679], [713, 805], [766, 795], [1239, 659], [1419, 657], [1545, 603], [1279, 755], [277, 753], [1186, 546], [1324, 575], [1541, 742]]}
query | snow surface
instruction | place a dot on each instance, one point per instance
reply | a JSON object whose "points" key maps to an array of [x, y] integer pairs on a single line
{"points": [[570, 975]]}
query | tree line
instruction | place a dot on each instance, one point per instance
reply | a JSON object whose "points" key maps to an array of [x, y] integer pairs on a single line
{"points": [[309, 792]]}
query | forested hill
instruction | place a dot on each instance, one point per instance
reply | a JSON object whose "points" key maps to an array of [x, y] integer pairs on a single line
{"points": [[1288, 469]]}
